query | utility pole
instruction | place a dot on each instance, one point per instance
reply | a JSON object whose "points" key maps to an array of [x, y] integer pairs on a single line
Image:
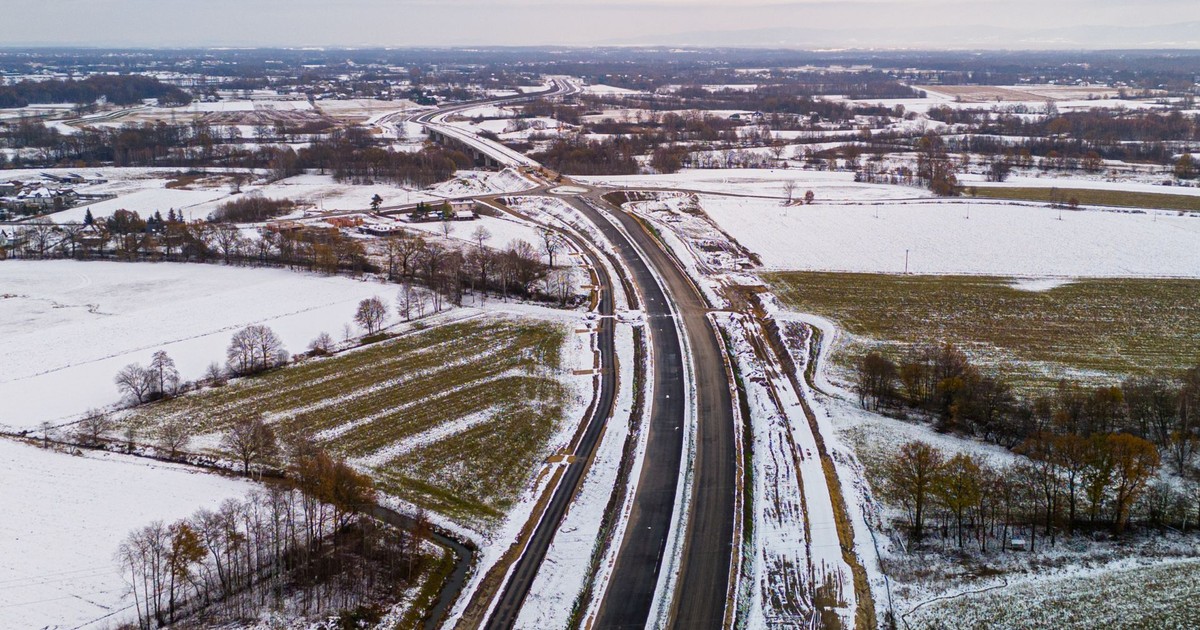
{"points": [[906, 262]]}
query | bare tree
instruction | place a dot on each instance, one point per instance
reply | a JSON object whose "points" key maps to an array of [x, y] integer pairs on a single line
{"points": [[561, 284], [135, 382], [229, 241], [481, 236], [777, 150], [92, 427], [406, 301], [407, 252], [173, 437], [371, 314], [251, 441], [321, 345], [550, 244], [253, 349], [215, 374], [164, 373], [789, 191]]}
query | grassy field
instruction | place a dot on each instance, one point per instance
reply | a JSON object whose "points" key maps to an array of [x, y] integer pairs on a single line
{"points": [[1160, 596], [1089, 197], [1097, 330], [454, 418]]}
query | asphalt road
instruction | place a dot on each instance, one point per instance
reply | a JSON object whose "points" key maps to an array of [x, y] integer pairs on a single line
{"points": [[504, 615], [702, 586]]}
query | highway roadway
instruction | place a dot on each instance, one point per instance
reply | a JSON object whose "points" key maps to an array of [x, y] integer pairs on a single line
{"points": [[702, 586], [672, 306]]}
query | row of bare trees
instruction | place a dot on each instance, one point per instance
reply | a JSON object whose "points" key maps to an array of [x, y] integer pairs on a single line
{"points": [[306, 546], [1064, 483], [515, 270]]}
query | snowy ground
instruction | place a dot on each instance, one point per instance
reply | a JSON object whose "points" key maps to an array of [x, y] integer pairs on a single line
{"points": [[70, 326], [796, 547], [826, 185], [193, 204], [64, 519], [323, 193], [503, 230], [939, 238]]}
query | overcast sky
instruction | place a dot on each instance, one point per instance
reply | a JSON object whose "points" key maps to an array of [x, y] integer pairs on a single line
{"points": [[886, 23]]}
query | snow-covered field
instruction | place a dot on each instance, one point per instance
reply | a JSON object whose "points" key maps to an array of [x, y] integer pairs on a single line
{"points": [[70, 326], [64, 518], [323, 193], [503, 231], [939, 238], [193, 204], [826, 185]]}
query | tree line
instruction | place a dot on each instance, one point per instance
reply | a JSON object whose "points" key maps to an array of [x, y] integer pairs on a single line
{"points": [[350, 153], [1066, 140], [126, 89], [1064, 484], [1113, 437]]}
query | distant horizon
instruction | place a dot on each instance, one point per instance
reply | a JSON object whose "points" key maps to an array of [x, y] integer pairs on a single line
{"points": [[949, 25], [44, 46]]}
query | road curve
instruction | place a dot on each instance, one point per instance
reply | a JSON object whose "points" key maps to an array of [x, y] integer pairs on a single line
{"points": [[434, 120]]}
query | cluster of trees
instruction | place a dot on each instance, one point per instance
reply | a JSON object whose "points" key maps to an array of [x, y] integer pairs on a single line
{"points": [[146, 383], [797, 99], [1064, 483], [576, 156], [935, 169], [307, 545], [350, 153], [1104, 443], [254, 349], [941, 382], [1185, 167], [251, 209], [196, 145], [1074, 140], [128, 89], [353, 155]]}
